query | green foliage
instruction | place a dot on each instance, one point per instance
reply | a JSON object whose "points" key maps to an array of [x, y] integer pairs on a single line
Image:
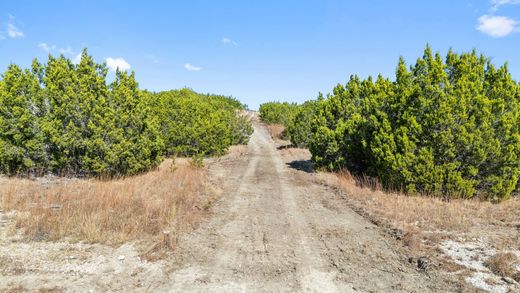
{"points": [[297, 128], [295, 118], [92, 128], [197, 161], [442, 127], [277, 113], [196, 124], [21, 141], [66, 119]]}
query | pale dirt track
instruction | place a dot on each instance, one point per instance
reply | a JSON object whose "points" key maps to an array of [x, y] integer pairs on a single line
{"points": [[277, 229]]}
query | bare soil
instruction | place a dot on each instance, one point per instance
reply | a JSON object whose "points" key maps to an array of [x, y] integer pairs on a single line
{"points": [[276, 227]]}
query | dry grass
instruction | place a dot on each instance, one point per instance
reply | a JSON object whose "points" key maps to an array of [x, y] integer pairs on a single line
{"points": [[16, 289], [432, 219], [421, 224], [112, 212], [504, 265], [276, 131]]}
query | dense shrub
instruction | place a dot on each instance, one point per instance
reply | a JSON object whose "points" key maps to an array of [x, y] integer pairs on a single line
{"points": [[294, 118], [277, 113], [21, 111], [298, 129], [67, 119], [442, 127], [196, 124]]}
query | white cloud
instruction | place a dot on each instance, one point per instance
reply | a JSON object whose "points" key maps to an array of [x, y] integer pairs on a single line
{"points": [[67, 50], [12, 30], [496, 26], [77, 59], [190, 67], [46, 47], [229, 41], [117, 63], [496, 4]]}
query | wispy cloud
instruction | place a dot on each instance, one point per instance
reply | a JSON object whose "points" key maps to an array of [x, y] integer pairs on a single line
{"points": [[67, 50], [496, 4], [496, 26], [117, 63], [12, 30], [190, 67], [229, 41], [46, 47]]}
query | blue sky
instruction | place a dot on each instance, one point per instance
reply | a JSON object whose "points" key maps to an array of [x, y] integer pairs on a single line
{"points": [[257, 50]]}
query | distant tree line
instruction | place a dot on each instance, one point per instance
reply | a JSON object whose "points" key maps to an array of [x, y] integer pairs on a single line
{"points": [[66, 119], [196, 124], [277, 112], [443, 127]]}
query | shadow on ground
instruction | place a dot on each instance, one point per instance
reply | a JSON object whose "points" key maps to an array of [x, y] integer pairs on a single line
{"points": [[302, 165]]}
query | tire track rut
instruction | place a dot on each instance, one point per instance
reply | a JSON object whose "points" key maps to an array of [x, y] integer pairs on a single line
{"points": [[276, 229]]}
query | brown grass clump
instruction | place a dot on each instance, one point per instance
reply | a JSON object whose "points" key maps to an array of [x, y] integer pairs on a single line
{"points": [[112, 212], [16, 289], [504, 265], [434, 218], [276, 131]]}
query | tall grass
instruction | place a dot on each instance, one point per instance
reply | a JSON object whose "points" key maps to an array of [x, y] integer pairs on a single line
{"points": [[276, 131], [431, 218], [112, 212]]}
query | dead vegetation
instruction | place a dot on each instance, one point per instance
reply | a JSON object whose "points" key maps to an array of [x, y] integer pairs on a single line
{"points": [[276, 131], [152, 206], [22, 289], [431, 217], [504, 265], [424, 223]]}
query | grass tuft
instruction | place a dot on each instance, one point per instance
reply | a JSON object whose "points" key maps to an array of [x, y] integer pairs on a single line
{"points": [[111, 212], [276, 131], [504, 265]]}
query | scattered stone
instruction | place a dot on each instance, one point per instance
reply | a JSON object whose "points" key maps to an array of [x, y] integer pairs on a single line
{"points": [[508, 280], [121, 257], [55, 206], [423, 263]]}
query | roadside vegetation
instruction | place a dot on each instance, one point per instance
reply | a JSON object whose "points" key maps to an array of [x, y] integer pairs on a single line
{"points": [[194, 124], [171, 198], [432, 157], [447, 128], [68, 120], [109, 139]]}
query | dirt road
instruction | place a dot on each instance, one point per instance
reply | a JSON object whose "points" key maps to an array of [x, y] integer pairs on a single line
{"points": [[277, 229]]}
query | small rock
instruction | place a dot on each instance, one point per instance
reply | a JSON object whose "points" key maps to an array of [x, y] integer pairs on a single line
{"points": [[508, 280], [423, 263], [72, 257], [121, 257]]}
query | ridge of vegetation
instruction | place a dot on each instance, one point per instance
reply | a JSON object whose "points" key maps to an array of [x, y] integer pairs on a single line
{"points": [[444, 127], [67, 119]]}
